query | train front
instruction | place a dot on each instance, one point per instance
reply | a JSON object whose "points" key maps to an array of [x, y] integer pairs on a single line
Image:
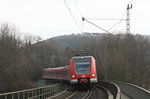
{"points": [[83, 70]]}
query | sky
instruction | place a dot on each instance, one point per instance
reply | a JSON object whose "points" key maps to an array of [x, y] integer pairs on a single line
{"points": [[50, 18]]}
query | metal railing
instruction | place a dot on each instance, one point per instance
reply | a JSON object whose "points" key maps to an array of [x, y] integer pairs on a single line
{"points": [[35, 93], [134, 91], [112, 87]]}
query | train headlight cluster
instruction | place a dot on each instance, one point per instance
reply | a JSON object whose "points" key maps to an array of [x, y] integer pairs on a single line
{"points": [[93, 75], [73, 76]]}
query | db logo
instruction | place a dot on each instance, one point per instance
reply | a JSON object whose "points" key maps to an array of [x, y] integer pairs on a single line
{"points": [[83, 75]]}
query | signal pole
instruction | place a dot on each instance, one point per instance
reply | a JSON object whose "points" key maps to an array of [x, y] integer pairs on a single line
{"points": [[128, 59], [129, 6]]}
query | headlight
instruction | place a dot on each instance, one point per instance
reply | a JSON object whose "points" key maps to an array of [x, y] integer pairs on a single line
{"points": [[93, 75], [73, 76]]}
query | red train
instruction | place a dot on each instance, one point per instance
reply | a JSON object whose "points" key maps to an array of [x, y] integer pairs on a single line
{"points": [[82, 69]]}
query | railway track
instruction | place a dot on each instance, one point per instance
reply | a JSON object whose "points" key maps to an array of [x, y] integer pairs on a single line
{"points": [[80, 95], [100, 90], [93, 92], [98, 93]]}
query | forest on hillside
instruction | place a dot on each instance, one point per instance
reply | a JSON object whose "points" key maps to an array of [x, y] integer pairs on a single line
{"points": [[121, 57], [74, 40], [19, 67]]}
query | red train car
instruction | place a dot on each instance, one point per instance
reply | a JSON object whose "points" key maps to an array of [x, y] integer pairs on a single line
{"points": [[82, 69], [57, 73]]}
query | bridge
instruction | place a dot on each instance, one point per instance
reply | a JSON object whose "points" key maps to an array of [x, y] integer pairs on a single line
{"points": [[101, 90]]}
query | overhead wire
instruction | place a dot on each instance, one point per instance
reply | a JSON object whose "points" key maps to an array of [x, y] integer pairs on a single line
{"points": [[95, 25], [122, 16], [72, 16], [114, 25], [84, 26], [108, 31], [81, 15], [103, 19], [81, 29], [118, 23]]}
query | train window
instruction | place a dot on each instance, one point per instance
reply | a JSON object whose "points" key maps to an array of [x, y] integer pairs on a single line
{"points": [[83, 68], [82, 65]]}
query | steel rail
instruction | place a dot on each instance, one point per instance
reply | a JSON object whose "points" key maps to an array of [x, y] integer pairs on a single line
{"points": [[110, 96], [71, 95], [88, 94], [112, 87], [59, 94]]}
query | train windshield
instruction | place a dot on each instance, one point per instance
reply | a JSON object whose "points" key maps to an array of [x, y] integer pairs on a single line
{"points": [[83, 66]]}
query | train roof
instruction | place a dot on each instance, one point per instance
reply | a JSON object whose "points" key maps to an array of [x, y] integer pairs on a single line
{"points": [[82, 56], [56, 68]]}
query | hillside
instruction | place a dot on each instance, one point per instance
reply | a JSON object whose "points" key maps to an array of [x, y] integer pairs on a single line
{"points": [[74, 40]]}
